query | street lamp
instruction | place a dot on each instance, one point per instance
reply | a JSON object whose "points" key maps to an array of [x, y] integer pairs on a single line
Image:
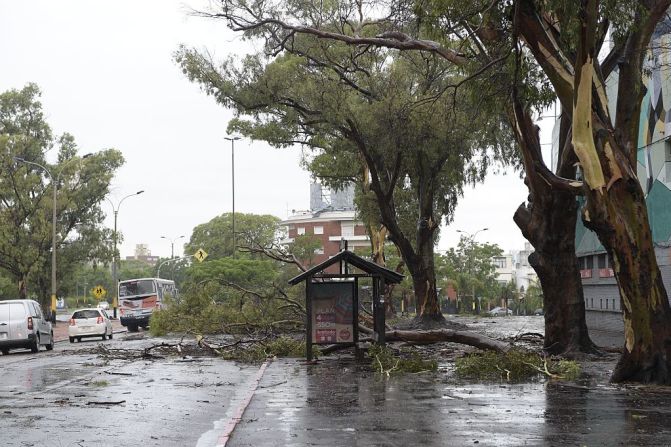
{"points": [[54, 184], [471, 238], [114, 255], [233, 140], [172, 244]]}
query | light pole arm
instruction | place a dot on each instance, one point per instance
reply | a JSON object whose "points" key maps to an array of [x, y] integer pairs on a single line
{"points": [[158, 271]]}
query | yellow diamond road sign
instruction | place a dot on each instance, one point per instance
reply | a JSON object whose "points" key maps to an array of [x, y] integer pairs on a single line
{"points": [[99, 292], [201, 255]]}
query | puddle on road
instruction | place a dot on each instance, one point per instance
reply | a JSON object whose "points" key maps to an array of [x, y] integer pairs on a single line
{"points": [[34, 378]]}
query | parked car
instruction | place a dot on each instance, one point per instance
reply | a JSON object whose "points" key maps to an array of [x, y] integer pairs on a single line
{"points": [[91, 322], [499, 311], [104, 305], [23, 325], [539, 312]]}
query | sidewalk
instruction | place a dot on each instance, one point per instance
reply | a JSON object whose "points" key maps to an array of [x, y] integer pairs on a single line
{"points": [[337, 402], [61, 329]]}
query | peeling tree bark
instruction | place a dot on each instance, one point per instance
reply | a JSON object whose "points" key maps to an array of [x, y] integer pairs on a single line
{"points": [[616, 211]]}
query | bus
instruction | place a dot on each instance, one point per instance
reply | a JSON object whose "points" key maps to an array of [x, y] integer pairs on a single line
{"points": [[138, 298]]}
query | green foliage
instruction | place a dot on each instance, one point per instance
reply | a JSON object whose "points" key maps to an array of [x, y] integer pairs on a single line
{"points": [[305, 247], [215, 236], [514, 366], [26, 189], [282, 346], [386, 361], [385, 120], [470, 268]]}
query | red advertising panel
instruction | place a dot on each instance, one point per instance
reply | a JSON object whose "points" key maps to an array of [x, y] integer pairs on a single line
{"points": [[332, 312]]}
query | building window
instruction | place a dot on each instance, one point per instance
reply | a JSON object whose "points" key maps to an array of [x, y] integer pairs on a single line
{"points": [[319, 251], [300, 230], [592, 303], [603, 261], [500, 263], [601, 303], [346, 229], [319, 230], [586, 262]]}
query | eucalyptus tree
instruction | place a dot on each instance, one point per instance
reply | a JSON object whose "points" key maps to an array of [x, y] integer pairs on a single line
{"points": [[381, 118], [26, 193], [563, 39]]}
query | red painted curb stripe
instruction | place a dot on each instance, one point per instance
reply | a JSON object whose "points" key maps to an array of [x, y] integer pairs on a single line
{"points": [[237, 417]]}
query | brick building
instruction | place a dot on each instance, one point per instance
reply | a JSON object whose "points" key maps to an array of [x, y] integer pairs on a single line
{"points": [[331, 218]]}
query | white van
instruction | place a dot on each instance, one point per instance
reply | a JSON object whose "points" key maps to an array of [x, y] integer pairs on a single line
{"points": [[23, 325]]}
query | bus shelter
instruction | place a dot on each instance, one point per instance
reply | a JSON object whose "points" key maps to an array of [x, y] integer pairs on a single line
{"points": [[332, 300]]}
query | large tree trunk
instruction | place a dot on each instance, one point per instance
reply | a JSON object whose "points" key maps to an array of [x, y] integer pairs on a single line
{"points": [[548, 223], [615, 209], [423, 275], [554, 261], [619, 217]]}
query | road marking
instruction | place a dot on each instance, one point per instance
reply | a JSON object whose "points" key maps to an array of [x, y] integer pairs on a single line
{"points": [[225, 436]]}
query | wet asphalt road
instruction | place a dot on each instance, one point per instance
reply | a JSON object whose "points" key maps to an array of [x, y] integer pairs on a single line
{"points": [[47, 399]]}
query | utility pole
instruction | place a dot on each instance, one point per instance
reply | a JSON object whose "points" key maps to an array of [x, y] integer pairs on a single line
{"points": [[115, 285], [233, 140]]}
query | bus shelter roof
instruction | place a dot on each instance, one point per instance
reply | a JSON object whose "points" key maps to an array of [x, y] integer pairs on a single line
{"points": [[352, 259]]}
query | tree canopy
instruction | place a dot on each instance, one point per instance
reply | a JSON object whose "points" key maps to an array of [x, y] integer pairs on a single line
{"points": [[26, 194], [379, 123]]}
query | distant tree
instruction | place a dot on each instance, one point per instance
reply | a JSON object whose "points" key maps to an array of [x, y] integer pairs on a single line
{"points": [[471, 266], [26, 195], [304, 247], [216, 236]]}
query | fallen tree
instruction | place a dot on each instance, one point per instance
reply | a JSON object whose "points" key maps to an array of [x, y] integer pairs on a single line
{"points": [[448, 335]]}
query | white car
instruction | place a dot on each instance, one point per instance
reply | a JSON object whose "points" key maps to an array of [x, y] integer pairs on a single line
{"points": [[89, 323], [104, 305]]}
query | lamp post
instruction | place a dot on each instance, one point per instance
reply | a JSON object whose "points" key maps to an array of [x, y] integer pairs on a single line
{"points": [[114, 255], [471, 238], [54, 184], [233, 140], [172, 244]]}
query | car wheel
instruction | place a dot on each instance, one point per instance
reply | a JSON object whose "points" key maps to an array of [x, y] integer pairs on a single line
{"points": [[72, 339], [132, 328], [50, 346], [5, 352], [36, 344], [79, 339], [111, 334], [104, 336]]}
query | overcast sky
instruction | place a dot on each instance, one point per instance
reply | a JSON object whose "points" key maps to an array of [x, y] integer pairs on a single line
{"points": [[107, 77]]}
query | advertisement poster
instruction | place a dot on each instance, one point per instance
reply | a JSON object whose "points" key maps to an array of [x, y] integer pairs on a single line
{"points": [[332, 312]]}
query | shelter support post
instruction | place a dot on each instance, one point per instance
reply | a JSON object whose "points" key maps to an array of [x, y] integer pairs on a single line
{"points": [[308, 321]]}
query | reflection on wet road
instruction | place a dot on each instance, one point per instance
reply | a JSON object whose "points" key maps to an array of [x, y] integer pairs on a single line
{"points": [[336, 404]]}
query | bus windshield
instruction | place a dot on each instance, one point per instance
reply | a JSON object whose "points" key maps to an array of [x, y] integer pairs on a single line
{"points": [[140, 287]]}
